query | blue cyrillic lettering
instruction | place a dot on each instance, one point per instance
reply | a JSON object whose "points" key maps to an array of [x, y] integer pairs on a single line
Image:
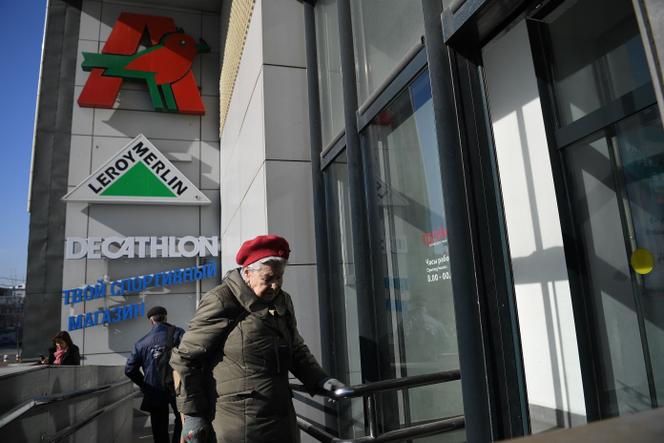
{"points": [[76, 322], [116, 288]]}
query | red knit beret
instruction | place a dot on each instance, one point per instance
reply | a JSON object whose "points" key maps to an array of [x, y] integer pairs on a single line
{"points": [[261, 247]]}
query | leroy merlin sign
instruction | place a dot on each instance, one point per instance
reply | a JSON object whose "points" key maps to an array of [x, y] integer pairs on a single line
{"points": [[139, 173]]}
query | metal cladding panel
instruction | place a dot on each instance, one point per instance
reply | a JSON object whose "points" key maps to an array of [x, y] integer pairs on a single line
{"points": [[49, 176], [289, 208]]}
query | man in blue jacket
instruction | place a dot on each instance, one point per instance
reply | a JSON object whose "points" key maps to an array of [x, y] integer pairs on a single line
{"points": [[151, 354]]}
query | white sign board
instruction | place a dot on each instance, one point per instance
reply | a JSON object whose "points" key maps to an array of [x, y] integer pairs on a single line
{"points": [[139, 173]]}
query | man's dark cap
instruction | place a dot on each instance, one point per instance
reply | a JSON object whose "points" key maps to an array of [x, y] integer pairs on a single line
{"points": [[157, 310]]}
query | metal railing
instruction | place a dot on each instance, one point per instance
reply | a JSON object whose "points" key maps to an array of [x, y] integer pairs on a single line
{"points": [[71, 429], [55, 400], [368, 393], [25, 407]]}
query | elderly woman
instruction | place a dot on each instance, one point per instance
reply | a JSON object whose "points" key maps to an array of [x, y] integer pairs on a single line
{"points": [[244, 333]]}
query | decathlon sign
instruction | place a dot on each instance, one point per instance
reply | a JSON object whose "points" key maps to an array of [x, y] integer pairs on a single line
{"points": [[141, 247], [139, 173]]}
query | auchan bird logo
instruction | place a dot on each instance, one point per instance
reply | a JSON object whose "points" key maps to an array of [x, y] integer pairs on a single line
{"points": [[165, 67]]}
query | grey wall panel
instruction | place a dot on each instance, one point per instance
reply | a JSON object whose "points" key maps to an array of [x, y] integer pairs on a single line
{"points": [[189, 21], [82, 118], [210, 32], [286, 133], [209, 165], [209, 217], [289, 207], [132, 220], [210, 121], [283, 33], [110, 123], [79, 159], [90, 21], [209, 73], [242, 153]]}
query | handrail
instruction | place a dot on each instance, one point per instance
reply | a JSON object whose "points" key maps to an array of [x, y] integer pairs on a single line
{"points": [[367, 391], [28, 405], [415, 431], [387, 385]]}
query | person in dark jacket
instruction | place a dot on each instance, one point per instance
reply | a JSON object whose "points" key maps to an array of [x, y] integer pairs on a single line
{"points": [[63, 351], [244, 333], [148, 355]]}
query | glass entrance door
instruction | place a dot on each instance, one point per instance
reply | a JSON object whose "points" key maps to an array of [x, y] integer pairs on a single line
{"points": [[616, 186], [609, 144]]}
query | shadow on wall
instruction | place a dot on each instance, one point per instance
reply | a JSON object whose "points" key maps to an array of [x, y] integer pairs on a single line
{"points": [[543, 266]]}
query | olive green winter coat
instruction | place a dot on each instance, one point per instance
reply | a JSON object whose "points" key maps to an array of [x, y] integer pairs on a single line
{"points": [[249, 345]]}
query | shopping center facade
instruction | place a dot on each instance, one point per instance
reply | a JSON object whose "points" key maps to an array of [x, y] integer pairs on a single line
{"points": [[470, 185]]}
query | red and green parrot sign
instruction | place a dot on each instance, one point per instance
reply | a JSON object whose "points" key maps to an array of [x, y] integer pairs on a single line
{"points": [[165, 67]]}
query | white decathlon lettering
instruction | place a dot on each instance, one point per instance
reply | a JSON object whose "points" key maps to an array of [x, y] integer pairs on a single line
{"points": [[129, 247]]}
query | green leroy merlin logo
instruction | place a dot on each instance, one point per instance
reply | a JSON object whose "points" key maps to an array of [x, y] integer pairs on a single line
{"points": [[139, 173]]}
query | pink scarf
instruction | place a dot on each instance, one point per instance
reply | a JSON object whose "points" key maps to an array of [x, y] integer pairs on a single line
{"points": [[58, 355]]}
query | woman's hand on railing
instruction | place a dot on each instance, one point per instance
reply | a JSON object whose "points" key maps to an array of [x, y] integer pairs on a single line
{"points": [[331, 386]]}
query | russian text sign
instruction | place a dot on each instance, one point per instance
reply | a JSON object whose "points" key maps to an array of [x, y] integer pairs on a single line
{"points": [[139, 173], [105, 315]]}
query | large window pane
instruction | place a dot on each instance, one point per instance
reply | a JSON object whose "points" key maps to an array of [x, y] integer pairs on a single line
{"points": [[329, 70], [594, 61], [383, 32], [416, 330]]}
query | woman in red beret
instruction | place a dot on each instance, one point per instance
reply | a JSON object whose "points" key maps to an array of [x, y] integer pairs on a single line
{"points": [[244, 333]]}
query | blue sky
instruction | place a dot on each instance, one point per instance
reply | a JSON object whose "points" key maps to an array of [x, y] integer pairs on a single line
{"points": [[21, 30]]}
